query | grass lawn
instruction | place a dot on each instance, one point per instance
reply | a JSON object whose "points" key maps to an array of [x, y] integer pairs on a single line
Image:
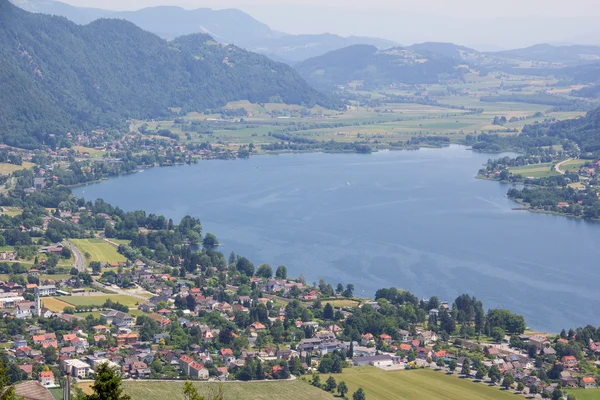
{"points": [[534, 170], [585, 394], [53, 304], [342, 303], [99, 250], [419, 384], [57, 393], [288, 390], [12, 211], [6, 168], [572, 165], [99, 300]]}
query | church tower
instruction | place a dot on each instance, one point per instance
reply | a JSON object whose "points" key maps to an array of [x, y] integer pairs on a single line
{"points": [[38, 303]]}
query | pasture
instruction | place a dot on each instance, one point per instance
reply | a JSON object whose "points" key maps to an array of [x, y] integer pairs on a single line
{"points": [[585, 394], [421, 384], [53, 304], [6, 168], [535, 170], [99, 250], [100, 299], [282, 390]]}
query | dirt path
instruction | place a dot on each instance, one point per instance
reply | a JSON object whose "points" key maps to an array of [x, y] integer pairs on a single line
{"points": [[557, 166]]}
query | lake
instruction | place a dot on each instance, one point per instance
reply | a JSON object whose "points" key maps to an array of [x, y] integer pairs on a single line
{"points": [[416, 220]]}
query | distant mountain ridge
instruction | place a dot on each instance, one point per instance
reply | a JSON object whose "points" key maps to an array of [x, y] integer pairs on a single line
{"points": [[226, 26], [374, 67], [59, 76], [570, 54]]}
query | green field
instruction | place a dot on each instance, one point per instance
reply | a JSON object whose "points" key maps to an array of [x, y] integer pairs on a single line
{"points": [[288, 390], [342, 302], [6, 168], [535, 170], [585, 394], [572, 165], [99, 300], [53, 304], [422, 384], [99, 250]]}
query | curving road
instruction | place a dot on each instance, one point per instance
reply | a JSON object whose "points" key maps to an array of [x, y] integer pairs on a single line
{"points": [[79, 259]]}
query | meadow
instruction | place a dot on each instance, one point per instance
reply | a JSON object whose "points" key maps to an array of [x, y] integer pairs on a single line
{"points": [[100, 299], [535, 170], [421, 384], [288, 390], [53, 304], [6, 168], [585, 394], [99, 250]]}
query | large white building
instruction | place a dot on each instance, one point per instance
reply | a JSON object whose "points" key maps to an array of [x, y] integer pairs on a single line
{"points": [[76, 368], [48, 290]]}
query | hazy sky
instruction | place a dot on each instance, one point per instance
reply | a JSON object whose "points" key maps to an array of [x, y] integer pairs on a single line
{"points": [[484, 23]]}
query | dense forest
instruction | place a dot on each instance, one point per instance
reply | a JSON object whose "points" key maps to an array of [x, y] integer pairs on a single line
{"points": [[584, 131], [61, 76], [376, 68]]}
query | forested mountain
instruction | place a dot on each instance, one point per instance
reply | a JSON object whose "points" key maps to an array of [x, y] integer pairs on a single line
{"points": [[584, 131], [450, 50], [569, 55], [226, 26], [375, 68], [59, 76], [296, 48]]}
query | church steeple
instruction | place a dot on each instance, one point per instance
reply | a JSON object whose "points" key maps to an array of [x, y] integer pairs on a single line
{"points": [[38, 303]]}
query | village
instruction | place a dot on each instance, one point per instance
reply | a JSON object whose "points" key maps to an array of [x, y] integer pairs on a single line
{"points": [[84, 284]]}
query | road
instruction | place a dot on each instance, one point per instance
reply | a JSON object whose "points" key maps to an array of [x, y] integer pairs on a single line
{"points": [[557, 166], [80, 265], [79, 259]]}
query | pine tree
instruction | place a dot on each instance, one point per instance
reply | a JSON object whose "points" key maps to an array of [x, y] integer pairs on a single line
{"points": [[108, 385], [9, 392]]}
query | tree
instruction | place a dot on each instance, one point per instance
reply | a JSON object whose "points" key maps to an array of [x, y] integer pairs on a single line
{"points": [[452, 366], [107, 385], [328, 312], [339, 289], [497, 334], [264, 271], [359, 394], [330, 384], [281, 272], [190, 302], [316, 380], [557, 394], [466, 367], [349, 290], [440, 362], [190, 393], [96, 267], [7, 393], [66, 253], [520, 386], [481, 372], [533, 389], [210, 241], [342, 389], [494, 373], [508, 381], [244, 266]]}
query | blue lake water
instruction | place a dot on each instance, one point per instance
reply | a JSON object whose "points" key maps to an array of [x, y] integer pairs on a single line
{"points": [[416, 220]]}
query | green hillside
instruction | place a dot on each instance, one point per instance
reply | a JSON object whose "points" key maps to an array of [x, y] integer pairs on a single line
{"points": [[61, 76]]}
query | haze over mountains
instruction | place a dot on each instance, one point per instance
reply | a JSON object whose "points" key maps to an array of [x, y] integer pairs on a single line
{"points": [[429, 63], [226, 26]]}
